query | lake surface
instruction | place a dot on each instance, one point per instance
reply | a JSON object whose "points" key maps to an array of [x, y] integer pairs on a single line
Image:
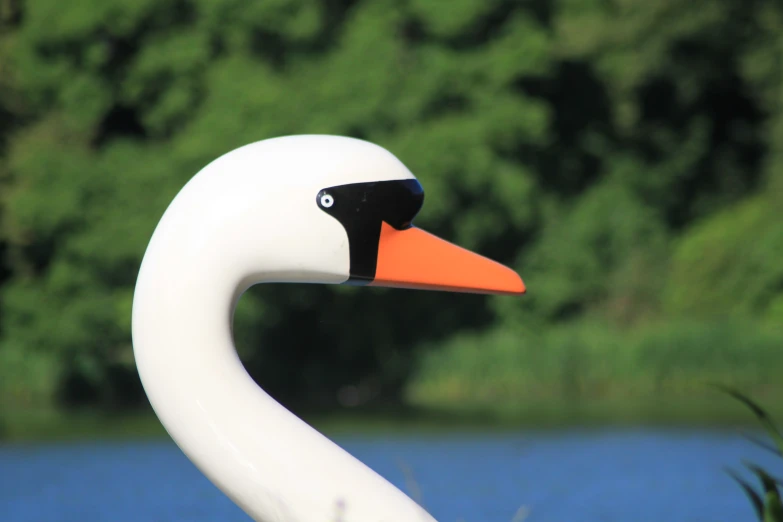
{"points": [[589, 476]]}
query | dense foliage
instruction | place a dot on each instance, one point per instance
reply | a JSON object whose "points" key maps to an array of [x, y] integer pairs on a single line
{"points": [[626, 156]]}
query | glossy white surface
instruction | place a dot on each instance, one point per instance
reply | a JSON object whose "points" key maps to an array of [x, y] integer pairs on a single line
{"points": [[250, 217]]}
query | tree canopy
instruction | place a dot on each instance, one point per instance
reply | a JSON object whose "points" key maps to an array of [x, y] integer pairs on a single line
{"points": [[625, 156]]}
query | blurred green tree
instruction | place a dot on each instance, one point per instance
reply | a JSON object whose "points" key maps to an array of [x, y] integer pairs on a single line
{"points": [[127, 101], [603, 148]]}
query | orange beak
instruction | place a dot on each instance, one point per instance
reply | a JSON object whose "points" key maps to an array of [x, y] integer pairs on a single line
{"points": [[413, 258]]}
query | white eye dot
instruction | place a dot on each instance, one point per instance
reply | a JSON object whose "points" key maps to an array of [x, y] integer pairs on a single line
{"points": [[327, 200]]}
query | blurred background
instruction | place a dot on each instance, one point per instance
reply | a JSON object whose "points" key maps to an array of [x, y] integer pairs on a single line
{"points": [[624, 156]]}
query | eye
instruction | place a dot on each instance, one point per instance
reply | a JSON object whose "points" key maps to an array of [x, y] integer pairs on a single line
{"points": [[327, 200]]}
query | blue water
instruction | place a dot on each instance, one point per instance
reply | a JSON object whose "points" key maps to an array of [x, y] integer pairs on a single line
{"points": [[596, 476]]}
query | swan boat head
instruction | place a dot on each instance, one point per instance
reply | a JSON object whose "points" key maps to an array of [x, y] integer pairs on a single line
{"points": [[297, 209]]}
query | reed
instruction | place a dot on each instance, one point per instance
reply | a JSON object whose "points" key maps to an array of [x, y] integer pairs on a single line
{"points": [[767, 502]]}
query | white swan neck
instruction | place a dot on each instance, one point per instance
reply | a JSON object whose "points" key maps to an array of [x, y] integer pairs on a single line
{"points": [[270, 463]]}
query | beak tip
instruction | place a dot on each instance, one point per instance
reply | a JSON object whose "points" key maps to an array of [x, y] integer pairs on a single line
{"points": [[517, 285]]}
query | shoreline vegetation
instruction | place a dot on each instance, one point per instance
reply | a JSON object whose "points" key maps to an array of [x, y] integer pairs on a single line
{"points": [[581, 375], [590, 372], [661, 413]]}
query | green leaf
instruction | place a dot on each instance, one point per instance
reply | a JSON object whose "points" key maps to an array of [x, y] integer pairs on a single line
{"points": [[769, 483], [773, 509], [762, 444], [760, 413], [754, 497]]}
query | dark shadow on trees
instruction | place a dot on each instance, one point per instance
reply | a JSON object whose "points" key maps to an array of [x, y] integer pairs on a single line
{"points": [[580, 103], [730, 166], [362, 338]]}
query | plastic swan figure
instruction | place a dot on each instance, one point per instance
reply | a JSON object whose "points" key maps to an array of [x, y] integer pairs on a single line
{"points": [[298, 209]]}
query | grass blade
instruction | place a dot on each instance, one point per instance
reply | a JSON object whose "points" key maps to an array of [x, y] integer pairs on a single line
{"points": [[773, 513], [762, 444], [769, 483], [760, 413], [754, 497], [773, 509]]}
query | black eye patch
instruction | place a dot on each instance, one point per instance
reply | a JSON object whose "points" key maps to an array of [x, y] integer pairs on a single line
{"points": [[361, 208]]}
